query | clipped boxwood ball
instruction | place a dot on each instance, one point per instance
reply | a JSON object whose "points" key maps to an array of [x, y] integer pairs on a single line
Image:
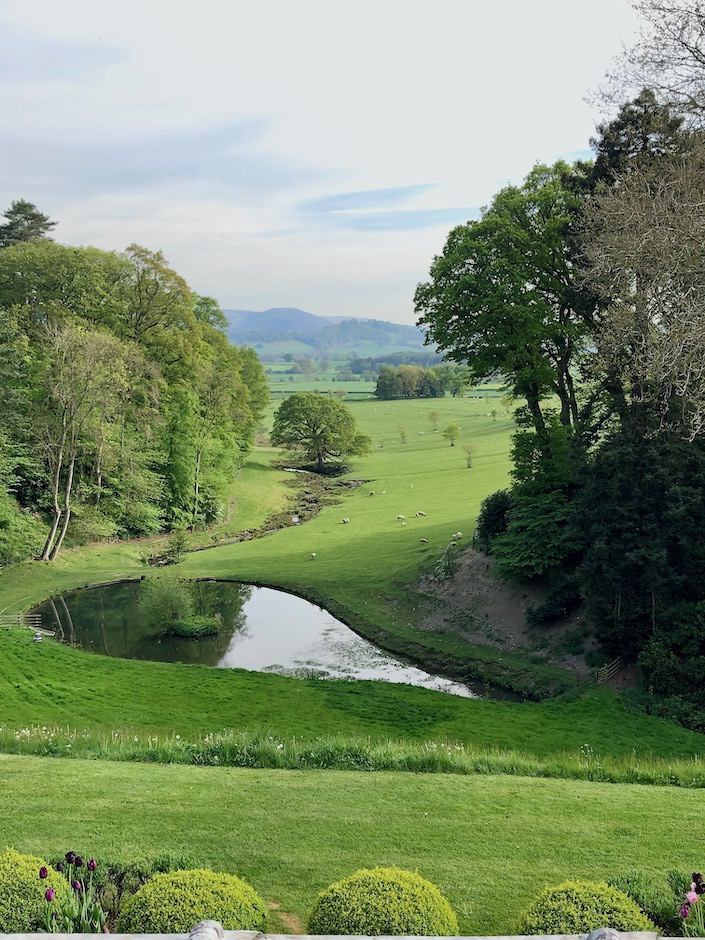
{"points": [[22, 902], [580, 907], [383, 901], [175, 901]]}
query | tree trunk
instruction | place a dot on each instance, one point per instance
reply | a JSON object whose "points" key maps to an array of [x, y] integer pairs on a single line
{"points": [[67, 510], [196, 489], [45, 556]]}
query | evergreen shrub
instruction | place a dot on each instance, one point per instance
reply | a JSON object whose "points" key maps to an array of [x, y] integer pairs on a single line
{"points": [[582, 906], [22, 902], [174, 902], [383, 902]]}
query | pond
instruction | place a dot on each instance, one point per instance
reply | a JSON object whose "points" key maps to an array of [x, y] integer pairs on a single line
{"points": [[257, 628]]}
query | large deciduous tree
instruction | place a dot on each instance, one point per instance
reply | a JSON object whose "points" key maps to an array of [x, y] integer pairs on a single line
{"points": [[645, 243], [503, 298], [83, 378], [321, 429], [669, 58]]}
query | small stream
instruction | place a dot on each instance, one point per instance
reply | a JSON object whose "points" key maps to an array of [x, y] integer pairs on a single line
{"points": [[259, 629]]}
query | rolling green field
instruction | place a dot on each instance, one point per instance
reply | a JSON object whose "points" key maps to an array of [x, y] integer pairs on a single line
{"points": [[291, 832]]}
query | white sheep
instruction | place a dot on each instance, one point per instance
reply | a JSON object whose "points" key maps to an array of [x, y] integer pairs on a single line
{"points": [[401, 518], [420, 513], [313, 554], [423, 541], [345, 520], [403, 525]]}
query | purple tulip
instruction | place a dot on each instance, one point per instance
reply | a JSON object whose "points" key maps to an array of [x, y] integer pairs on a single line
{"points": [[76, 885], [43, 872], [59, 866], [91, 864], [78, 861], [49, 894], [685, 910], [70, 857]]}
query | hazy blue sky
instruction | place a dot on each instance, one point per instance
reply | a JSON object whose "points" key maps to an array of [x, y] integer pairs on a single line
{"points": [[307, 153]]}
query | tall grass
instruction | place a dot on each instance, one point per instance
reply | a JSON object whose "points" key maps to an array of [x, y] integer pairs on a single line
{"points": [[266, 751]]}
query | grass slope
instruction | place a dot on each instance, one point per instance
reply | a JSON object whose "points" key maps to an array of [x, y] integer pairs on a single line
{"points": [[365, 571], [490, 843], [50, 684]]}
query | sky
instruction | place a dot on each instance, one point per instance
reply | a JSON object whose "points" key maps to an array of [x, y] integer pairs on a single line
{"points": [[303, 153]]}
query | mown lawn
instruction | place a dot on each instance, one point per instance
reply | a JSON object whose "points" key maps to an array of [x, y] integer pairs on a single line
{"points": [[490, 843]]}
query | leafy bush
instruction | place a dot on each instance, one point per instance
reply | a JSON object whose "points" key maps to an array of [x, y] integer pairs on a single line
{"points": [[173, 902], [21, 534], [116, 881], [493, 518], [22, 892], [562, 599], [447, 563], [383, 901], [654, 896], [194, 627], [581, 906], [163, 601]]}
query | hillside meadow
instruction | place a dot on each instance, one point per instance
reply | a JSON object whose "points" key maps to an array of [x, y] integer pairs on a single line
{"points": [[491, 830]]}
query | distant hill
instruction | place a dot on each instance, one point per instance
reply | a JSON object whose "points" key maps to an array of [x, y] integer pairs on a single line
{"points": [[287, 329]]}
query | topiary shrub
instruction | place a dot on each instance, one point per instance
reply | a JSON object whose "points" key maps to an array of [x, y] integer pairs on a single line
{"points": [[383, 901], [173, 902], [22, 902], [581, 906]]}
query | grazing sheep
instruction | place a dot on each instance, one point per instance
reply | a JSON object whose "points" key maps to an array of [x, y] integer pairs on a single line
{"points": [[372, 492], [423, 541], [403, 525], [400, 518], [313, 554], [420, 513], [345, 520]]}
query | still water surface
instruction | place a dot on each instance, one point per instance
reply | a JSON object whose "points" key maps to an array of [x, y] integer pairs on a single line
{"points": [[263, 630]]}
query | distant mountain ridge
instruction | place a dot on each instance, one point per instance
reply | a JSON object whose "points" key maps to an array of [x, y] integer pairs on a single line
{"points": [[278, 325], [278, 319]]}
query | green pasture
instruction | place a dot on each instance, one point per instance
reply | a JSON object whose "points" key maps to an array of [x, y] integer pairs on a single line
{"points": [[366, 572], [490, 843]]}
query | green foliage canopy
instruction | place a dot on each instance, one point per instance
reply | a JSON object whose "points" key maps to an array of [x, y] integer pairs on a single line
{"points": [[502, 295], [321, 429], [124, 407]]}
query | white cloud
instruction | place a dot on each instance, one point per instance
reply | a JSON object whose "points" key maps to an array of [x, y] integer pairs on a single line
{"points": [[223, 132]]}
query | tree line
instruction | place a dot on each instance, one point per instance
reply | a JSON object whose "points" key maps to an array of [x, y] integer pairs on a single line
{"points": [[413, 381], [585, 288], [125, 410]]}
